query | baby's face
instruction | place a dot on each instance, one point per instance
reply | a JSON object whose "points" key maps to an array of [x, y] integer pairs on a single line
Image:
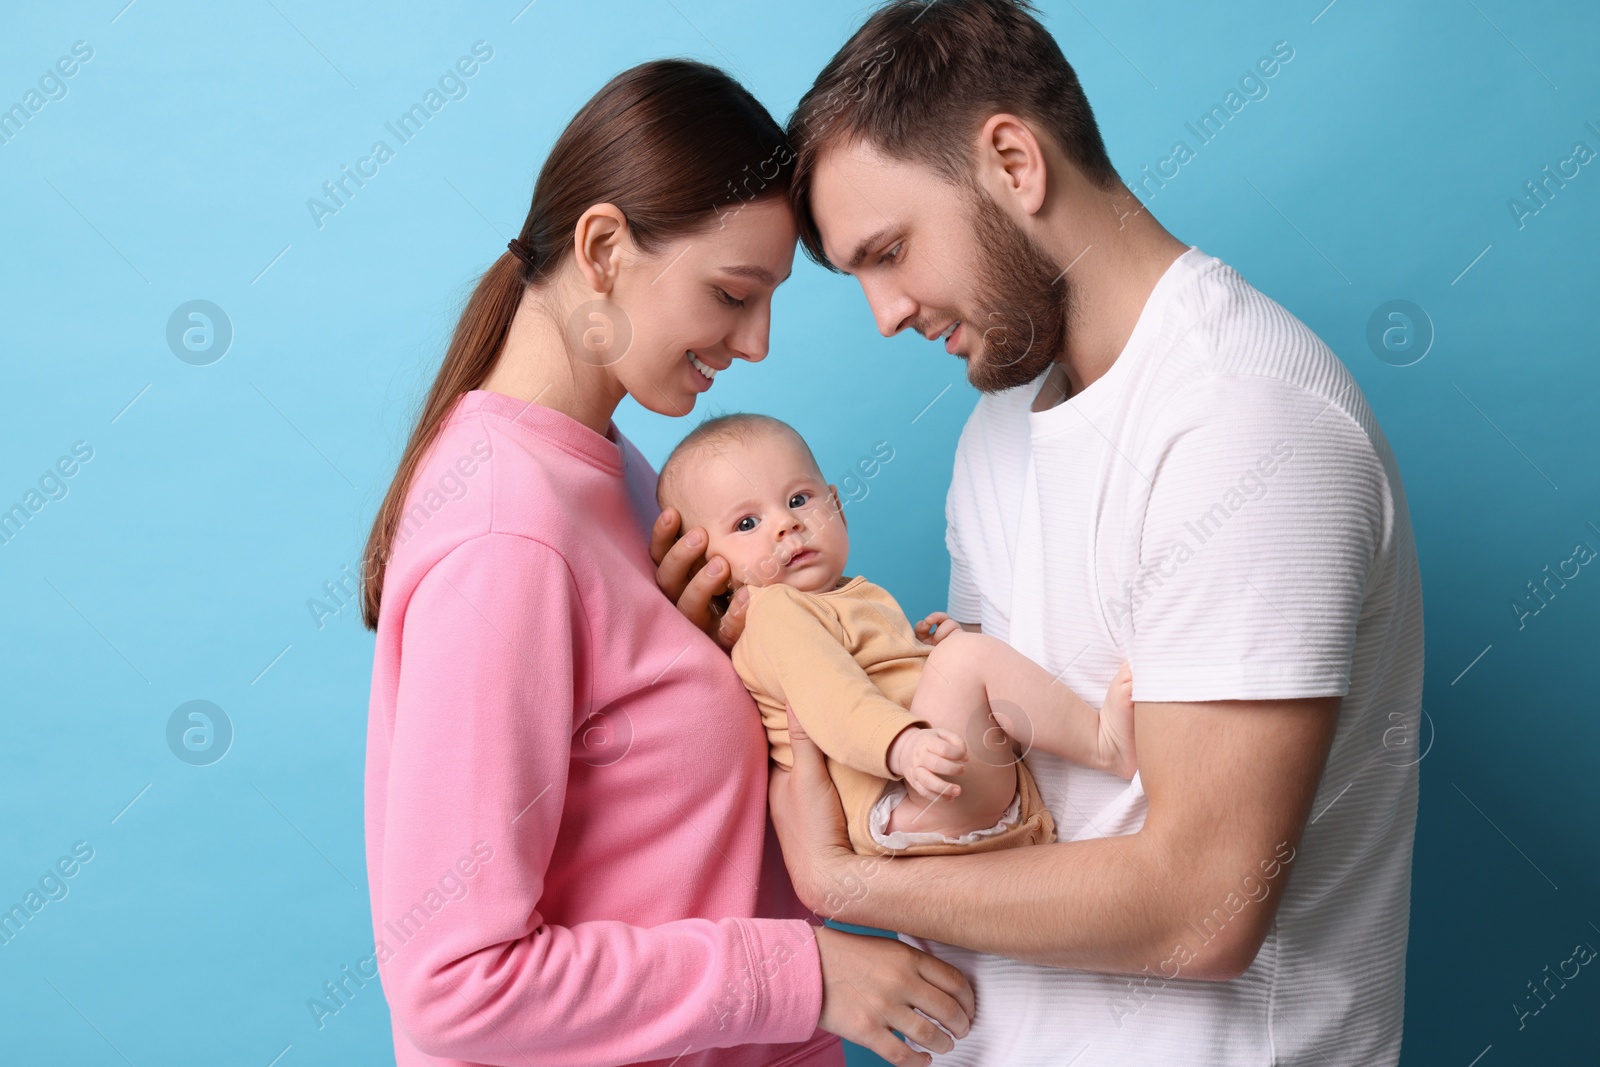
{"points": [[768, 513]]}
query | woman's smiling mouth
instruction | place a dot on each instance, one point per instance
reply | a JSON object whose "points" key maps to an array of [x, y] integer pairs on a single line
{"points": [[709, 371]]}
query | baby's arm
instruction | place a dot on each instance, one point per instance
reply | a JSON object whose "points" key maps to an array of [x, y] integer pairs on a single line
{"points": [[792, 651], [971, 670]]}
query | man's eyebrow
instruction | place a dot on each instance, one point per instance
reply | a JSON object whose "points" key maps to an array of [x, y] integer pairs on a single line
{"points": [[760, 274], [866, 246]]}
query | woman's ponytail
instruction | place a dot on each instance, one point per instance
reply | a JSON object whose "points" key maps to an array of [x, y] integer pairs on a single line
{"points": [[480, 334]]}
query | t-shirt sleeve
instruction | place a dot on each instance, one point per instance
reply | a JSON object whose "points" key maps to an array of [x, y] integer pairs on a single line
{"points": [[795, 654], [963, 604], [481, 743], [1266, 511]]}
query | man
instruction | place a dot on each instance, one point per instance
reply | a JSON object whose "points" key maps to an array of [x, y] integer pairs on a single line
{"points": [[1166, 467]]}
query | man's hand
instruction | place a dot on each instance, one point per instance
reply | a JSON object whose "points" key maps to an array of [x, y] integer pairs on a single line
{"points": [[921, 755], [810, 822], [935, 628], [692, 583]]}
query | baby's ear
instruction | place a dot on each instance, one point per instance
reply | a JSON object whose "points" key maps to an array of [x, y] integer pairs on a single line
{"points": [[838, 508]]}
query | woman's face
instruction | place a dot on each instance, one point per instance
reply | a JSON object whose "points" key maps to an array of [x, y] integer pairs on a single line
{"points": [[701, 302]]}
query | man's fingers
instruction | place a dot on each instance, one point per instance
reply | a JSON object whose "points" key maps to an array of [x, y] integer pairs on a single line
{"points": [[801, 741]]}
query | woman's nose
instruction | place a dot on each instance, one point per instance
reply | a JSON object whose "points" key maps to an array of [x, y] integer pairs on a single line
{"points": [[749, 342]]}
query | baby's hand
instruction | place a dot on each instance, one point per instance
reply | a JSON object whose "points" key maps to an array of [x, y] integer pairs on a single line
{"points": [[1116, 725], [936, 628], [920, 755]]}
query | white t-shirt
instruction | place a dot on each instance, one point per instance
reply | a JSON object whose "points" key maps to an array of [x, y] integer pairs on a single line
{"points": [[1221, 510]]}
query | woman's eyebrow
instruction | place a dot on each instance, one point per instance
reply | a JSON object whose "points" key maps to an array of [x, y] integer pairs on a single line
{"points": [[760, 274]]}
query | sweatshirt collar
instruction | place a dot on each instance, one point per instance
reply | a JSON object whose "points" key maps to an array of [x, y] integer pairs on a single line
{"points": [[548, 424]]}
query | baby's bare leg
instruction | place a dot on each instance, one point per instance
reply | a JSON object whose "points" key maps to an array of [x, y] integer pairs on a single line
{"points": [[951, 696], [1034, 708], [1039, 711]]}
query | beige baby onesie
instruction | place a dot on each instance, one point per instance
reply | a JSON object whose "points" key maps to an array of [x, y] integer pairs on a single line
{"points": [[848, 661]]}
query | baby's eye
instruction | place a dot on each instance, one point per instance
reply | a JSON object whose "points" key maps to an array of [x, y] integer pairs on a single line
{"points": [[799, 500], [746, 524]]}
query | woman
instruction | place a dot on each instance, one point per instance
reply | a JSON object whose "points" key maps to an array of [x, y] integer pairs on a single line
{"points": [[566, 782]]}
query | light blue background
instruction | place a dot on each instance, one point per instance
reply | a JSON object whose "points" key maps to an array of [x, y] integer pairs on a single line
{"points": [[180, 563]]}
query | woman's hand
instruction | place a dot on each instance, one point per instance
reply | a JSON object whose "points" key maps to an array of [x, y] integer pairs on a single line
{"points": [[874, 985], [690, 582]]}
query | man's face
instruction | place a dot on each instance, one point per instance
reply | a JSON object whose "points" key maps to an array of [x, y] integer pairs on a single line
{"points": [[944, 260]]}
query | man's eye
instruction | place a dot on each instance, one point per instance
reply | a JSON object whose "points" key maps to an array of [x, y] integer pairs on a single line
{"points": [[893, 253], [728, 300], [799, 500], [746, 524]]}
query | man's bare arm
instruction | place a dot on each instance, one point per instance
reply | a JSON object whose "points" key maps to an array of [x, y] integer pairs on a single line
{"points": [[1229, 786]]}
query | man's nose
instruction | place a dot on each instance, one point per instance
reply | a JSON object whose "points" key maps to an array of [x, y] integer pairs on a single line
{"points": [[891, 309]]}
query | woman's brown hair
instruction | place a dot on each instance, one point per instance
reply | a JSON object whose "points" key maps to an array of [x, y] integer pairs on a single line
{"points": [[675, 145]]}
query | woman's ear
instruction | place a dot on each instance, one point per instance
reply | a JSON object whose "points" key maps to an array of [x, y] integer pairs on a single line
{"points": [[598, 243]]}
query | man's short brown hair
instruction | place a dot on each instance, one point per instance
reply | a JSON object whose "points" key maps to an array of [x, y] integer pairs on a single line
{"points": [[919, 79]]}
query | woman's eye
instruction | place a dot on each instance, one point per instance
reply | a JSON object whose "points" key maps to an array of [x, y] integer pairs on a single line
{"points": [[728, 300], [746, 524], [799, 500]]}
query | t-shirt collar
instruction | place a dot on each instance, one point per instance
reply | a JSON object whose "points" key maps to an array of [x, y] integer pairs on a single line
{"points": [[1103, 392]]}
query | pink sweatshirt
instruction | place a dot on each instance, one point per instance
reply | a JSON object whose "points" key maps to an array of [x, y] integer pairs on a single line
{"points": [[567, 838]]}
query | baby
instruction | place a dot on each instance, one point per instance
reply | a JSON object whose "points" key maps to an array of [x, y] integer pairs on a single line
{"points": [[900, 711]]}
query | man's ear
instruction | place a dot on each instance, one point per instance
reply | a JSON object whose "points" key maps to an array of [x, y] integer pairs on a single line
{"points": [[838, 508], [1012, 163], [598, 243]]}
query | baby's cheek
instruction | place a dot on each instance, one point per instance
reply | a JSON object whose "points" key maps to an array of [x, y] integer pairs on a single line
{"points": [[754, 567]]}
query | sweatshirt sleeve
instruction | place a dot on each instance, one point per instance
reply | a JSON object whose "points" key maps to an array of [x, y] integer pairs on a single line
{"points": [[799, 655], [482, 736]]}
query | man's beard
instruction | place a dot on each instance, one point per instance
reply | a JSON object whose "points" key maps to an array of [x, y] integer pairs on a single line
{"points": [[1023, 312]]}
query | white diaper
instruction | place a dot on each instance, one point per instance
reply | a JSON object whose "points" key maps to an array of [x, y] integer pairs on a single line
{"points": [[878, 822]]}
